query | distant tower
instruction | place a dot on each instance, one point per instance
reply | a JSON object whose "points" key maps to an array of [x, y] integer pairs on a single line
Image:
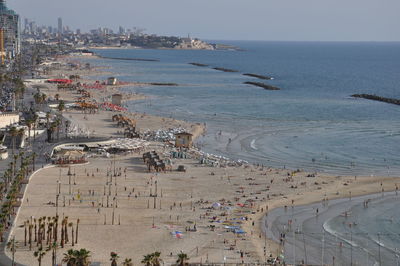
{"points": [[60, 25]]}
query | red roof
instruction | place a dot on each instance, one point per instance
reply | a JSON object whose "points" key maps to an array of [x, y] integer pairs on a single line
{"points": [[64, 81]]}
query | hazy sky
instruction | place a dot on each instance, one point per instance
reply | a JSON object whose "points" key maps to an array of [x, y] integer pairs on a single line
{"points": [[318, 20]]}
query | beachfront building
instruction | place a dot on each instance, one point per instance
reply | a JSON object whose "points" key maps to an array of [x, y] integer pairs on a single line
{"points": [[183, 140], [116, 99], [112, 81], [10, 40]]}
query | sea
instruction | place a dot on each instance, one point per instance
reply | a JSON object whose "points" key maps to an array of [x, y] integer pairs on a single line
{"points": [[312, 123], [343, 231]]}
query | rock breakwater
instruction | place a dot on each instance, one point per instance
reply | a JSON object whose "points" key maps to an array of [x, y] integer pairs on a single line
{"points": [[257, 76], [262, 85], [377, 98]]}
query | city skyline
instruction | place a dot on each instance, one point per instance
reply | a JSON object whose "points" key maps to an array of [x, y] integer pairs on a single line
{"points": [[307, 20]]}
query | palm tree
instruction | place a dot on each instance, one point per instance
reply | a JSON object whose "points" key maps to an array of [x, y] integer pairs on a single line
{"points": [[152, 259], [34, 119], [11, 245], [77, 257], [30, 227], [114, 258], [33, 160], [77, 227], [156, 258], [148, 259], [20, 133], [71, 224], [39, 254], [83, 257], [53, 254], [127, 262], [182, 259], [13, 133], [70, 257], [58, 124], [48, 115], [61, 106], [29, 123]]}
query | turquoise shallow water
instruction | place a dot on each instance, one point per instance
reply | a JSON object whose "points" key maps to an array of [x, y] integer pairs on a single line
{"points": [[311, 123]]}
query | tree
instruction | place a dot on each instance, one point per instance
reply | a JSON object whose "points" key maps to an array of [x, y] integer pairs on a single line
{"points": [[48, 115], [29, 123], [152, 259], [127, 262], [20, 133], [70, 257], [77, 257], [71, 224], [12, 247], [182, 259], [13, 133], [147, 260], [77, 227], [114, 258], [54, 252], [156, 258], [61, 106], [83, 257], [39, 254]]}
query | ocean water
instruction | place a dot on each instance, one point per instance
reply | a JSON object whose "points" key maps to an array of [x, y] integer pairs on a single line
{"points": [[366, 236], [312, 123]]}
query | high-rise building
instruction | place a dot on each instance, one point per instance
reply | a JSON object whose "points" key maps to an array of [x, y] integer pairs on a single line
{"points": [[121, 30], [9, 26], [26, 25], [60, 26]]}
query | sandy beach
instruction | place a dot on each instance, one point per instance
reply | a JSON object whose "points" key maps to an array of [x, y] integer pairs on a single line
{"points": [[193, 211]]}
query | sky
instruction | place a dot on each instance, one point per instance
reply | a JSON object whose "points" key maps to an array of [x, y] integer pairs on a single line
{"points": [[274, 20]]}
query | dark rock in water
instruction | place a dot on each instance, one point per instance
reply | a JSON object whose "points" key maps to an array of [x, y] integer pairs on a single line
{"points": [[198, 64], [377, 98], [163, 84], [262, 85], [257, 76], [225, 69]]}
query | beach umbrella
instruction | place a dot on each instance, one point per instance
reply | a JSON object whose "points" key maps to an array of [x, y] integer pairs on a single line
{"points": [[216, 205]]}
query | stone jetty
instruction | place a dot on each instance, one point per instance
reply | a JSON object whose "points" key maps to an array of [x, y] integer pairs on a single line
{"points": [[257, 76], [225, 69], [198, 64], [377, 98], [262, 85]]}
